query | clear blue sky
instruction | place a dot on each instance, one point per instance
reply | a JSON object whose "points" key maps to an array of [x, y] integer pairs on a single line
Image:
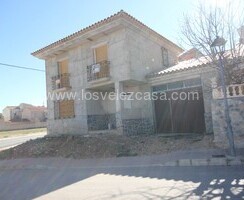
{"points": [[27, 25]]}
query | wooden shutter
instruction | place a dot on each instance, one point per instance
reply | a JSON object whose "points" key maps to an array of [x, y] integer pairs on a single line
{"points": [[63, 67], [66, 109], [101, 53]]}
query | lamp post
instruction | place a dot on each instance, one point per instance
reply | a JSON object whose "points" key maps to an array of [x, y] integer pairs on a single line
{"points": [[218, 47]]}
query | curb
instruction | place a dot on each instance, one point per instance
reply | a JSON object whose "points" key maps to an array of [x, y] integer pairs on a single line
{"points": [[206, 162], [177, 163]]}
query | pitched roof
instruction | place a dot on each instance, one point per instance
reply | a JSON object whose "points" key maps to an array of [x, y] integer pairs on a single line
{"points": [[101, 23], [196, 63], [182, 66], [10, 107]]}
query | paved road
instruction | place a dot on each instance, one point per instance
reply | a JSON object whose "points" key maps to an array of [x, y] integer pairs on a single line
{"points": [[142, 183], [12, 141]]}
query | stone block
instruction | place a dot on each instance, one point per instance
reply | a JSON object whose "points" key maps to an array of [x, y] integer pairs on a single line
{"points": [[200, 162], [218, 161]]}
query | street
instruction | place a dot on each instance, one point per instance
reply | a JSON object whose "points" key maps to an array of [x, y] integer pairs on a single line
{"points": [[131, 182], [13, 141]]}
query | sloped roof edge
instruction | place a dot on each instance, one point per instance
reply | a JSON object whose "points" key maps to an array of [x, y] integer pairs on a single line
{"points": [[99, 24]]}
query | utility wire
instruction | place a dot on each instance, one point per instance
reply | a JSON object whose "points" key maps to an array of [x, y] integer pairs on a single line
{"points": [[19, 67]]}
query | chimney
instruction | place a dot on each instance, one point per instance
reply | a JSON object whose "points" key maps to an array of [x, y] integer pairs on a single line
{"points": [[241, 33]]}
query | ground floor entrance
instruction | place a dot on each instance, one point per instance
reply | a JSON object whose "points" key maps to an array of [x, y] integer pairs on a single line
{"points": [[180, 111]]}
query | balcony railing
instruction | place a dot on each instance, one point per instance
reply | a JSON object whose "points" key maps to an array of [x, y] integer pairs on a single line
{"points": [[61, 81], [98, 71], [231, 91]]}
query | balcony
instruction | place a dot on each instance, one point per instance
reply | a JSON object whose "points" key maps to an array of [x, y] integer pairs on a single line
{"points": [[231, 91], [61, 81], [98, 71]]}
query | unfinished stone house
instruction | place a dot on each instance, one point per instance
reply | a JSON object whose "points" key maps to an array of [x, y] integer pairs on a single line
{"points": [[122, 55]]}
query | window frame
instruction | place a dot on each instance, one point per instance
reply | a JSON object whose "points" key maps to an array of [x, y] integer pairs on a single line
{"points": [[57, 112]]}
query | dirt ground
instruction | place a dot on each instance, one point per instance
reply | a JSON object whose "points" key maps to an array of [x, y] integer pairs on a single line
{"points": [[103, 146]]}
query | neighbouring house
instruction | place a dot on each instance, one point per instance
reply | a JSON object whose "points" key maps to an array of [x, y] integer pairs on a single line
{"points": [[34, 114], [25, 112], [122, 55], [1, 117], [10, 112]]}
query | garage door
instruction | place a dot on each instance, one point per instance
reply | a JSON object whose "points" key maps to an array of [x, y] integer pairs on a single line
{"points": [[180, 115]]}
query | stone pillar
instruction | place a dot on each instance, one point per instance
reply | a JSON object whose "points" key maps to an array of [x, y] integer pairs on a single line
{"points": [[207, 99], [119, 107]]}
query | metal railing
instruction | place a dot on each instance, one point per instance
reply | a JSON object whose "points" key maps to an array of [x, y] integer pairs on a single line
{"points": [[231, 91], [61, 81], [98, 70]]}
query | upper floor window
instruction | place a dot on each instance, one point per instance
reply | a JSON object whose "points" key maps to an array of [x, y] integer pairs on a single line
{"points": [[165, 56], [61, 80], [101, 53], [63, 67]]}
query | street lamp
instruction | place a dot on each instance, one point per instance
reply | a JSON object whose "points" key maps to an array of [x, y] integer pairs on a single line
{"points": [[218, 47]]}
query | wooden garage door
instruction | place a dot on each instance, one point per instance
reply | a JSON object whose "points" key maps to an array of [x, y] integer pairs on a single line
{"points": [[180, 116]]}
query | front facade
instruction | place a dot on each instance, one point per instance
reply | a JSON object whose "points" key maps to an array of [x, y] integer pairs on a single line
{"points": [[114, 55], [122, 56]]}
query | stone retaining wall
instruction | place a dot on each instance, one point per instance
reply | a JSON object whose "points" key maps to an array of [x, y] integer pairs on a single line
{"points": [[236, 106]]}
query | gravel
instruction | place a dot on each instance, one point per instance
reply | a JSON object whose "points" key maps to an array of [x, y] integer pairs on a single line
{"points": [[104, 146]]}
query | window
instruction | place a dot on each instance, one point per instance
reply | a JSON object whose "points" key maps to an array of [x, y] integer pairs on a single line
{"points": [[165, 57], [64, 109], [196, 82], [101, 53], [63, 67], [62, 79], [192, 82], [175, 85], [160, 88]]}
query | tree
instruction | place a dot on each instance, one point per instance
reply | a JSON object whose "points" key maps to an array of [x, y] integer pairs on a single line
{"points": [[201, 29], [208, 31]]}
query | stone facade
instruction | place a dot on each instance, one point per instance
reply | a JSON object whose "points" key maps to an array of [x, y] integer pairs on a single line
{"points": [[134, 50], [207, 99], [236, 109], [138, 126], [101, 122]]}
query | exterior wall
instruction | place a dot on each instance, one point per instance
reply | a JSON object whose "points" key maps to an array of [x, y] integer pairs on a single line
{"points": [[9, 126], [101, 114], [11, 113], [79, 58], [33, 115], [78, 124], [7, 114], [207, 99], [236, 108], [26, 114], [137, 115], [130, 60], [145, 54]]}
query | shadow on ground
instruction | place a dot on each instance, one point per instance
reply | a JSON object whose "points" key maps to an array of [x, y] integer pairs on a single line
{"points": [[124, 183]]}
